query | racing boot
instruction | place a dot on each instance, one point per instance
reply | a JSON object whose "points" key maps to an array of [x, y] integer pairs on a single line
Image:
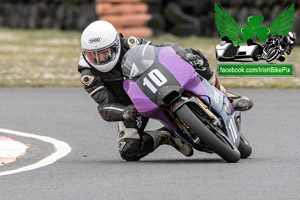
{"points": [[239, 103], [163, 136]]}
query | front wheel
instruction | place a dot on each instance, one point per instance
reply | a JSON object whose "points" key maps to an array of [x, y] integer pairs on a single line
{"points": [[272, 54], [220, 147], [244, 147]]}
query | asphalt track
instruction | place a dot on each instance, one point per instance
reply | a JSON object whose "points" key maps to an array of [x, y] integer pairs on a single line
{"points": [[94, 169]]}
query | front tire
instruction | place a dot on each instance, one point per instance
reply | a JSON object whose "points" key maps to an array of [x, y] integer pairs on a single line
{"points": [[244, 148], [224, 150]]}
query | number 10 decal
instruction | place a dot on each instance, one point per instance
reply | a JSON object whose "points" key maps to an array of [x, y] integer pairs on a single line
{"points": [[157, 77]]}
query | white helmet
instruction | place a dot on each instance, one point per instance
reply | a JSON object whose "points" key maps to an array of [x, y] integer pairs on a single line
{"points": [[100, 43], [291, 37]]}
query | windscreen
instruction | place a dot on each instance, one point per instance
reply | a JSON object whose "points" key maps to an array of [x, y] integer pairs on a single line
{"points": [[137, 60]]}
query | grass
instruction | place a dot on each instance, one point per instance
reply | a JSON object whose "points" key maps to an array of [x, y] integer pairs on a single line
{"points": [[49, 58], [39, 58]]}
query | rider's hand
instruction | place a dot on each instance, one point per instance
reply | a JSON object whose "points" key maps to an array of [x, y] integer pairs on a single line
{"points": [[129, 113], [194, 60]]}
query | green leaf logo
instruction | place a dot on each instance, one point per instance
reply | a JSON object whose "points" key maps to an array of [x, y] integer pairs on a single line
{"points": [[254, 31]]}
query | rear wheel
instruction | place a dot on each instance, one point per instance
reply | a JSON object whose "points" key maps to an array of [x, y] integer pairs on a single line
{"points": [[218, 145]]}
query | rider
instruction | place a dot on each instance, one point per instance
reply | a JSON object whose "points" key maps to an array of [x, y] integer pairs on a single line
{"points": [[284, 43], [102, 52]]}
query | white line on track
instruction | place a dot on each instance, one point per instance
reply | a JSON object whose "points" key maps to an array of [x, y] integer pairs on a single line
{"points": [[62, 149]]}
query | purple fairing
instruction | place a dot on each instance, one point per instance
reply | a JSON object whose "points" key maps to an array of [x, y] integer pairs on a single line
{"points": [[188, 78], [189, 81], [176, 65], [144, 105]]}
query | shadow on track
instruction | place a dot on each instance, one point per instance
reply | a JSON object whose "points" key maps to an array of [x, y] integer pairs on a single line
{"points": [[182, 161], [161, 161]]}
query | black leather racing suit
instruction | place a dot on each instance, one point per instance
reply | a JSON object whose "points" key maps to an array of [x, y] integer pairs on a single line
{"points": [[107, 91]]}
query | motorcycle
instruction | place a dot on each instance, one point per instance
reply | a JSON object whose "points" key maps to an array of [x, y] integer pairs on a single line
{"points": [[276, 46], [226, 51], [273, 51], [165, 87]]}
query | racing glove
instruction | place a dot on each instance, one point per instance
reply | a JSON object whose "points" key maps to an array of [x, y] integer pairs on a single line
{"points": [[194, 60], [129, 113]]}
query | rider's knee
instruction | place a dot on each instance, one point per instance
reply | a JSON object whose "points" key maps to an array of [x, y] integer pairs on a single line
{"points": [[281, 58]]}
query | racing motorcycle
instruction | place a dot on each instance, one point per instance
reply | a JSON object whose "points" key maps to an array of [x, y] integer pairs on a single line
{"points": [[165, 87], [273, 50]]}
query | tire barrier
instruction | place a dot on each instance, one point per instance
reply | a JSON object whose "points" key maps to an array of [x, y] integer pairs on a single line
{"points": [[182, 24], [111, 9], [129, 20], [64, 15], [143, 32], [142, 18], [185, 17]]}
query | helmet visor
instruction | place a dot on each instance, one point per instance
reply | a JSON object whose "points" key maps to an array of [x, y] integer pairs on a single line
{"points": [[102, 56], [98, 57]]}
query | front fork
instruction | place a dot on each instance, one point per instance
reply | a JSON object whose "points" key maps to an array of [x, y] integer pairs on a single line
{"points": [[183, 130], [207, 117], [238, 120], [205, 111]]}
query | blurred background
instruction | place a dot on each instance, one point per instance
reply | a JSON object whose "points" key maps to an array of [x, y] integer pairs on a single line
{"points": [[40, 39]]}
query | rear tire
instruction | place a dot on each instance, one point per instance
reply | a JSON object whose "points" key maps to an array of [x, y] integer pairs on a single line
{"points": [[224, 150]]}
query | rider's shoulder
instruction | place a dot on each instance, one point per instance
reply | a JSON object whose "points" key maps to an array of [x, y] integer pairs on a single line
{"points": [[82, 64], [130, 42]]}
